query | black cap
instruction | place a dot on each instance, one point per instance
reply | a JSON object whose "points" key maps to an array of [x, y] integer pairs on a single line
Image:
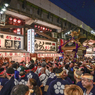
{"points": [[58, 70], [43, 60], [15, 65], [72, 62], [10, 71], [1, 71], [31, 66]]}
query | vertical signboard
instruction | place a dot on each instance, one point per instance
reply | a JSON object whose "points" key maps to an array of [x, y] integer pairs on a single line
{"points": [[30, 40], [61, 41], [33, 40]]}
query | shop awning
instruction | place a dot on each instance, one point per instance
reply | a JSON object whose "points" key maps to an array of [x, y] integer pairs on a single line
{"points": [[14, 50]]}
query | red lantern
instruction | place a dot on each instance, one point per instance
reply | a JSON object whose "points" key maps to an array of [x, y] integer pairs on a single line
{"points": [[46, 29], [10, 18], [19, 21], [38, 26], [14, 20], [18, 30], [24, 54], [43, 28], [35, 26], [15, 54], [50, 30], [11, 54], [14, 31]]}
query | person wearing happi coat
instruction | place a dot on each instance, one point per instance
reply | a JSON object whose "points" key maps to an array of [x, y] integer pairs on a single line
{"points": [[15, 66], [43, 78], [23, 79], [26, 70], [77, 76], [57, 86], [51, 77], [65, 76], [6, 90], [31, 74], [93, 66], [49, 80], [87, 82], [3, 80]]}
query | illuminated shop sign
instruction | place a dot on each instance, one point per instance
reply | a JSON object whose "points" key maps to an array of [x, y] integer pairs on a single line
{"points": [[49, 55], [89, 50], [30, 40], [44, 45], [37, 44], [11, 41]]}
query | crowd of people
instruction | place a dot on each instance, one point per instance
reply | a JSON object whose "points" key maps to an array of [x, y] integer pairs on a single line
{"points": [[58, 77]]}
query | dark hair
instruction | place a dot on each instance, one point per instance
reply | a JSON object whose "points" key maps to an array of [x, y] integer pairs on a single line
{"points": [[72, 62], [10, 71], [31, 66], [57, 70], [15, 65], [19, 90], [1, 70], [32, 61], [66, 66], [36, 88]]}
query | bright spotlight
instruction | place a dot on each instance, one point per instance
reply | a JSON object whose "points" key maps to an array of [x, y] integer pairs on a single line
{"points": [[6, 4], [1, 12], [4, 9]]}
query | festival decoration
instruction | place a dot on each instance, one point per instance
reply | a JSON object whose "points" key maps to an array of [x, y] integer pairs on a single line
{"points": [[73, 44]]}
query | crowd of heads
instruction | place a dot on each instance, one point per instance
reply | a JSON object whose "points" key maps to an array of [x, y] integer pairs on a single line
{"points": [[82, 70]]}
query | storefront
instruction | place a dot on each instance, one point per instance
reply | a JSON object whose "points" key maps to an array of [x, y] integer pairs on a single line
{"points": [[41, 48], [11, 47], [90, 52]]}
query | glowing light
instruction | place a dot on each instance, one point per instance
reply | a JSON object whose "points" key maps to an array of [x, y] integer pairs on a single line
{"points": [[43, 28], [1, 12], [48, 29], [15, 31], [4, 9], [18, 29], [6, 5], [14, 20], [38, 26], [10, 18], [19, 21], [35, 26]]}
